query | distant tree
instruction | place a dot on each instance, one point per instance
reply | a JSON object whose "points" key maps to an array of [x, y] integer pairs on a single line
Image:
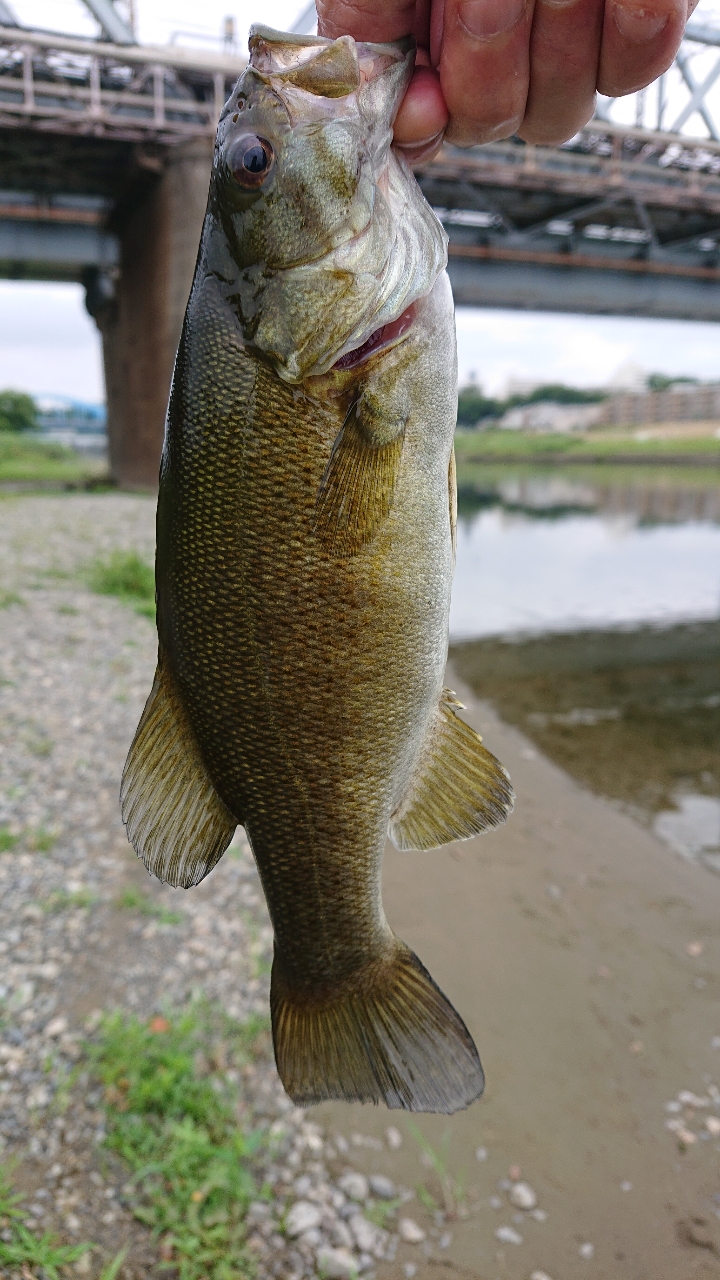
{"points": [[18, 411], [661, 382], [473, 406], [558, 393]]}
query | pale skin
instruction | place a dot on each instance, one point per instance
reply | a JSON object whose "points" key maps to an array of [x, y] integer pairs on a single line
{"points": [[488, 69]]}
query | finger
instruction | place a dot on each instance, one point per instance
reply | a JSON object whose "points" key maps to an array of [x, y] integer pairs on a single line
{"points": [[640, 40], [423, 116], [564, 56], [370, 20], [484, 67]]}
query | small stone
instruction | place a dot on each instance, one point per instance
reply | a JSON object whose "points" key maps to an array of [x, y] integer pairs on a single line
{"points": [[508, 1235], [366, 1233], [410, 1232], [312, 1238], [33, 911], [302, 1217], [83, 1266], [712, 1124], [394, 1141], [539, 1215], [495, 1202], [355, 1185], [695, 948], [336, 1264], [626, 1186], [382, 1187], [636, 1046], [539, 1275], [587, 1251], [72, 1222], [409, 1270], [514, 1172], [523, 1196], [340, 1235], [673, 1106], [56, 1027], [688, 1099], [445, 1240], [481, 1154]]}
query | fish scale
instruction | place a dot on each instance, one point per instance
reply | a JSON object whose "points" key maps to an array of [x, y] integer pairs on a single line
{"points": [[304, 565]]}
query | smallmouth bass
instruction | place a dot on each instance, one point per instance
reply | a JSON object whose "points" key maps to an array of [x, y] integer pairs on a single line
{"points": [[305, 548]]}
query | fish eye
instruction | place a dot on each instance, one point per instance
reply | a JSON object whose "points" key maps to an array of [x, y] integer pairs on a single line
{"points": [[250, 160]]}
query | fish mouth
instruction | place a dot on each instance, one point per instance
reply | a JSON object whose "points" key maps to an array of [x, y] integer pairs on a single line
{"points": [[379, 340]]}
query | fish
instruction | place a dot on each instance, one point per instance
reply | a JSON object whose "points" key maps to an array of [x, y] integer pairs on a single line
{"points": [[305, 551]]}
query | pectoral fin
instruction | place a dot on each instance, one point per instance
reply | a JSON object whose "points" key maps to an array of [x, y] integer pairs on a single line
{"points": [[356, 492], [459, 788], [175, 818]]}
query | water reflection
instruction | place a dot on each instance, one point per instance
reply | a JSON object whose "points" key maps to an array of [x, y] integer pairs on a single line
{"points": [[598, 633]]}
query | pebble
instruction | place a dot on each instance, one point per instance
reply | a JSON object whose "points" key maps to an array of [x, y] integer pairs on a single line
{"points": [[394, 1141], [302, 1217], [496, 1203], [539, 1275], [508, 1235], [354, 1185], [410, 1232], [56, 1027], [409, 1270], [587, 1251], [336, 1264], [382, 1187], [712, 1124], [481, 1154], [367, 1235], [626, 1186], [523, 1196]]}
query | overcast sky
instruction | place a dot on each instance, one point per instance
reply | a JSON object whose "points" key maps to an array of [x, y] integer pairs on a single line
{"points": [[49, 344]]}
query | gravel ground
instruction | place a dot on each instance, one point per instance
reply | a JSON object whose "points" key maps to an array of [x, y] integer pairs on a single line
{"points": [[75, 669]]}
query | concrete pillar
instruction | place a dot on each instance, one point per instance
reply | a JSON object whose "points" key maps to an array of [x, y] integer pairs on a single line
{"points": [[141, 323]]}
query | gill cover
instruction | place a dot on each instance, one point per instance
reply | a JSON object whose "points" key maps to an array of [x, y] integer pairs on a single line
{"points": [[317, 232]]}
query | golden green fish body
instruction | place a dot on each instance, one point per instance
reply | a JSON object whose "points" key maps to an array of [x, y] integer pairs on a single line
{"points": [[304, 567]]}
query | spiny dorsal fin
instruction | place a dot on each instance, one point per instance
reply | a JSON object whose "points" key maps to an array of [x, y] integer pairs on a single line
{"points": [[356, 492], [175, 819], [459, 788], [391, 1036]]}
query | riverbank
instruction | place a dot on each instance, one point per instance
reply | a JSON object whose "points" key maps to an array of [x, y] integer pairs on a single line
{"points": [[611, 448]]}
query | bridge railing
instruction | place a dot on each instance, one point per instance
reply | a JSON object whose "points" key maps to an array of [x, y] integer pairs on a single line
{"points": [[62, 84]]}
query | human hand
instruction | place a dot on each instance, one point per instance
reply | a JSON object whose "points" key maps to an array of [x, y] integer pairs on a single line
{"points": [[487, 69]]}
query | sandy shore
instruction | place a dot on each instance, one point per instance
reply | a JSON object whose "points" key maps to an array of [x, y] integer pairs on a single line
{"points": [[583, 956]]}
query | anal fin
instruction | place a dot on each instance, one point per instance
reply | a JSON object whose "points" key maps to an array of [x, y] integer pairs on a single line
{"points": [[459, 788], [175, 818], [357, 489]]}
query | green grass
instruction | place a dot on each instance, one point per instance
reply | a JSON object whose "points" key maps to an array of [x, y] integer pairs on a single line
{"points": [[22, 1248], [9, 597], [40, 840], [520, 445], [171, 1115], [7, 840], [24, 461], [125, 575], [62, 901], [133, 899]]}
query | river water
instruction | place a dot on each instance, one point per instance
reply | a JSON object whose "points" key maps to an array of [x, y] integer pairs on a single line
{"points": [[587, 609]]}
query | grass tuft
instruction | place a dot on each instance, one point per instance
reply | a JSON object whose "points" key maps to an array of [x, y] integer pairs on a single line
{"points": [[171, 1115], [7, 840], [21, 1248], [125, 575], [133, 899]]}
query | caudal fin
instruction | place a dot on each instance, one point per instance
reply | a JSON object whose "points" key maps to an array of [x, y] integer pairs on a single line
{"points": [[392, 1038]]}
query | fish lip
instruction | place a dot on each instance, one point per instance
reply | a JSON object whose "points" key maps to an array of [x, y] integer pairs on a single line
{"points": [[388, 334]]}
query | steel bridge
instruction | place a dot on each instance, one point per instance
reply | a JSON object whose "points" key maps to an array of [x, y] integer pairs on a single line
{"points": [[105, 150]]}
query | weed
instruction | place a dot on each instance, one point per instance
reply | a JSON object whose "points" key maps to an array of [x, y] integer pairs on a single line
{"points": [[382, 1211], [453, 1189], [110, 1272], [68, 609], [125, 575], [41, 841], [133, 899], [9, 597], [174, 1123], [7, 840], [63, 901], [20, 1247]]}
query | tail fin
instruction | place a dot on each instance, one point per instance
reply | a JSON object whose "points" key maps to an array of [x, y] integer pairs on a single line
{"points": [[393, 1038]]}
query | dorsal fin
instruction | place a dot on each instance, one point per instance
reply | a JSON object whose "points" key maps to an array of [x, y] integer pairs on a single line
{"points": [[333, 73]]}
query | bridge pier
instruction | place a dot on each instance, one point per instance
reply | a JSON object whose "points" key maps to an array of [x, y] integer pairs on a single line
{"points": [[141, 323]]}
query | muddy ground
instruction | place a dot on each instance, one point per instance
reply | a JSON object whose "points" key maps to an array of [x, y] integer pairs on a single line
{"points": [[581, 952]]}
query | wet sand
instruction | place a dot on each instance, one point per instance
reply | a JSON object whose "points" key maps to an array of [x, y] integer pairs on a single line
{"points": [[563, 940]]}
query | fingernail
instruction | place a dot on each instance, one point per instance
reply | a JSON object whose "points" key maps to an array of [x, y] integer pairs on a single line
{"points": [[638, 23], [487, 18]]}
